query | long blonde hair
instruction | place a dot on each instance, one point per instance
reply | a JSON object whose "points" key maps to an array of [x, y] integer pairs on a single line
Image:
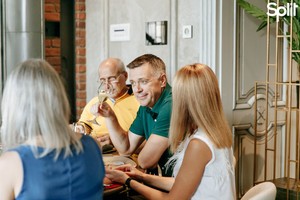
{"points": [[197, 103], [35, 110]]}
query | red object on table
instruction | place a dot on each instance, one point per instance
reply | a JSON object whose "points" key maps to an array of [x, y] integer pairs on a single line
{"points": [[114, 185]]}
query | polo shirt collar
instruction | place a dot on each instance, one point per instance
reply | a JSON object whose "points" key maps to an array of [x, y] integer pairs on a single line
{"points": [[162, 97], [125, 95]]}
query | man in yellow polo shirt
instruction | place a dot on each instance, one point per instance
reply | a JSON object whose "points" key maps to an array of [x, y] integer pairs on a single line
{"points": [[111, 72]]}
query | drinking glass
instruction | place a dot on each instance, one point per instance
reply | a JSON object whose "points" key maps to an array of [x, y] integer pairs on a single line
{"points": [[78, 127], [103, 91]]}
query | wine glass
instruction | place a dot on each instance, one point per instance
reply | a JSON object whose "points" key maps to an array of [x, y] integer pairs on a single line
{"points": [[103, 91], [78, 127]]}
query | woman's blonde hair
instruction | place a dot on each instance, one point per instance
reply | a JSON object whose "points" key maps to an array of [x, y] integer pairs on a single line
{"points": [[35, 110], [197, 103]]}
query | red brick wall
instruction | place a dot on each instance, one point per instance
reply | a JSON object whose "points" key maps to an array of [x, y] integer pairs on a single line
{"points": [[80, 51], [52, 44], [52, 47]]}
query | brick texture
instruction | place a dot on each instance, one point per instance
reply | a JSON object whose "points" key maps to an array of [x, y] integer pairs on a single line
{"points": [[80, 46], [53, 46]]}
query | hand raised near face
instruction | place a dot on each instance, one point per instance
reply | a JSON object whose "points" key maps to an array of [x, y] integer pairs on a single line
{"points": [[105, 110]]}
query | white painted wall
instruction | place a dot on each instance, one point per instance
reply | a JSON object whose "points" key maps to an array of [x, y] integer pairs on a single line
{"points": [[213, 41]]}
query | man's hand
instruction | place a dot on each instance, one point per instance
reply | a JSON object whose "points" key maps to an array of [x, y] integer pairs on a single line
{"points": [[104, 139], [105, 110]]}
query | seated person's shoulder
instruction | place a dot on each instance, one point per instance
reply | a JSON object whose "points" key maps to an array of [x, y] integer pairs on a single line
{"points": [[131, 99], [11, 173], [168, 97], [91, 102], [9, 160], [167, 101], [166, 104]]}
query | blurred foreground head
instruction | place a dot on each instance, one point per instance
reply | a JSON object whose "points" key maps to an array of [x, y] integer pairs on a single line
{"points": [[35, 108]]}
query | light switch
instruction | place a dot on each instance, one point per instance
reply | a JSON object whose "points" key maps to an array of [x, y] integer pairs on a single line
{"points": [[119, 32], [187, 31]]}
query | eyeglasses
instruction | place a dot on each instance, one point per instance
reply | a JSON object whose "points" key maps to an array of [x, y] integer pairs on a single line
{"points": [[109, 80]]}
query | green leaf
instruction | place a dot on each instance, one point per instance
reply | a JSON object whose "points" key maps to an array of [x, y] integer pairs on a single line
{"points": [[262, 25], [259, 14], [253, 10]]}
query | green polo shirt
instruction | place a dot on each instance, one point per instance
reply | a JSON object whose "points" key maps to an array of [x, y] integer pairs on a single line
{"points": [[156, 121]]}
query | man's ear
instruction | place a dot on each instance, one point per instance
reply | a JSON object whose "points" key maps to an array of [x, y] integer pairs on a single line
{"points": [[125, 75], [163, 80]]}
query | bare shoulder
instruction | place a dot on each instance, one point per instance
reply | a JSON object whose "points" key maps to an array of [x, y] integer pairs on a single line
{"points": [[197, 144], [9, 159], [198, 147], [11, 173]]}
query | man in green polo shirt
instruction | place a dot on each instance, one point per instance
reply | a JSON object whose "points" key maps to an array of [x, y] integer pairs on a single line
{"points": [[147, 75]]}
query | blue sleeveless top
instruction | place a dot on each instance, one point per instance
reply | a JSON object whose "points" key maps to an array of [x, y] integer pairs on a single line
{"points": [[75, 177]]}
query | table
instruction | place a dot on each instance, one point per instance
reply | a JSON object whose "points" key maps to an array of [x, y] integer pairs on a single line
{"points": [[118, 192]]}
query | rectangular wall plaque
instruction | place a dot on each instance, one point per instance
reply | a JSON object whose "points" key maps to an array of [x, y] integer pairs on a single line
{"points": [[119, 32]]}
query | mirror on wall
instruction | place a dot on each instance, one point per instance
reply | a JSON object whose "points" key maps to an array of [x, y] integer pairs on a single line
{"points": [[156, 33]]}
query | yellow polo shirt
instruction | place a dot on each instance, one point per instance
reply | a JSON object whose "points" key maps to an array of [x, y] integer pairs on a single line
{"points": [[125, 108]]}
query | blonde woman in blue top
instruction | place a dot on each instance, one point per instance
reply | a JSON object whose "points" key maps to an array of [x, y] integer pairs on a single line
{"points": [[43, 158], [200, 139]]}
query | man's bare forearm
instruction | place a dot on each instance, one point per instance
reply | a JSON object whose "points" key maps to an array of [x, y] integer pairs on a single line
{"points": [[118, 136]]}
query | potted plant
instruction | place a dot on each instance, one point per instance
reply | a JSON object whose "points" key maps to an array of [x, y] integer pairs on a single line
{"points": [[263, 17]]}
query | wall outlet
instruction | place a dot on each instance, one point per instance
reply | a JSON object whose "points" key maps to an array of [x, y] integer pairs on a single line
{"points": [[187, 31]]}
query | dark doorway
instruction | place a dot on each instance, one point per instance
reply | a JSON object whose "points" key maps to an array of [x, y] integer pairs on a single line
{"points": [[67, 35]]}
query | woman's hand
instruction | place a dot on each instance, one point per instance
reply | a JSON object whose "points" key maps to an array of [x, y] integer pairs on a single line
{"points": [[131, 171], [121, 173], [116, 175]]}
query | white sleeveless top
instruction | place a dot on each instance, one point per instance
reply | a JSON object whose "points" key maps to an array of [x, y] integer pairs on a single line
{"points": [[218, 180]]}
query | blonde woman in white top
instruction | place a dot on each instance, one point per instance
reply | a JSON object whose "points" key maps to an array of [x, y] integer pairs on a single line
{"points": [[200, 139]]}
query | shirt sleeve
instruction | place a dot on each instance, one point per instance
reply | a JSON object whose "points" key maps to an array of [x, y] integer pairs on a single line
{"points": [[86, 113]]}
